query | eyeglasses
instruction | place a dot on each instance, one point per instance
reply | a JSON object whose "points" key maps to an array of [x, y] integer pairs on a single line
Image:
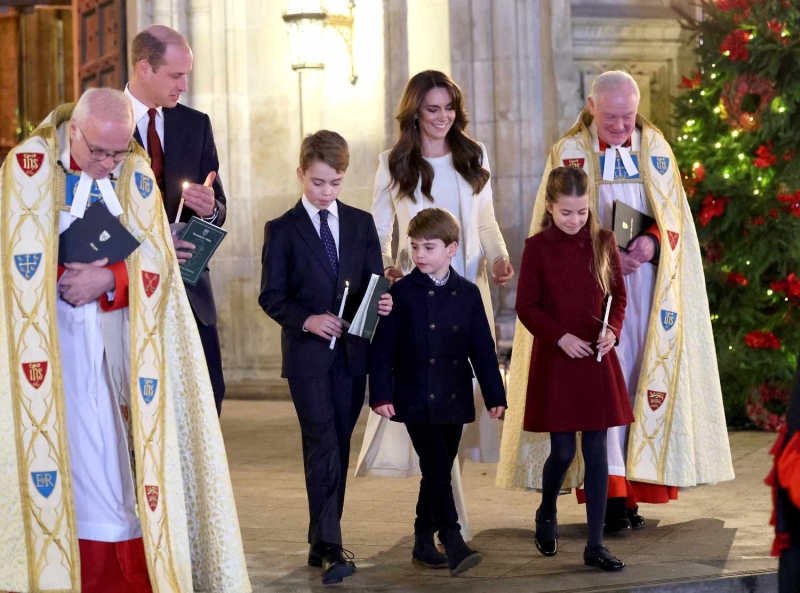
{"points": [[98, 154]]}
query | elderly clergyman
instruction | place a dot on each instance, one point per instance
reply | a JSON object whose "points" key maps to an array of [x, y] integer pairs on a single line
{"points": [[114, 474], [666, 347]]}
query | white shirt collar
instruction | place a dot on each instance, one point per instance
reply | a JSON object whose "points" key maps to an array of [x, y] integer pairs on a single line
{"points": [[313, 210], [140, 109]]}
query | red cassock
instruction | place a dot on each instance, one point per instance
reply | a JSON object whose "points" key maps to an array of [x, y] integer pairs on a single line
{"points": [[558, 294]]}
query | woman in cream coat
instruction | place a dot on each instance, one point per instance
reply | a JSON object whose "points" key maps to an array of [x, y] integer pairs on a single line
{"points": [[434, 163]]}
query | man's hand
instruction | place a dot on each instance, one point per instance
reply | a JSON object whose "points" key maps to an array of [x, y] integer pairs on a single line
{"points": [[642, 249], [606, 343], [496, 412], [85, 283], [393, 274], [325, 326], [385, 304], [574, 346], [200, 198], [183, 249], [502, 271], [386, 410], [629, 264]]}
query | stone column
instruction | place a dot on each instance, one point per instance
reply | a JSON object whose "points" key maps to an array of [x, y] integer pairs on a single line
{"points": [[519, 93]]}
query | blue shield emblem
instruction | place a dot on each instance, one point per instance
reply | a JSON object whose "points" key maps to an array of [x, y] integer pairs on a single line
{"points": [[94, 194], [44, 482], [619, 167], [27, 264], [144, 184], [148, 388], [668, 319], [661, 163]]}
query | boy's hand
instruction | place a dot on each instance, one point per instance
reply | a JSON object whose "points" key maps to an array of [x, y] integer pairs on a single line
{"points": [[325, 326], [386, 410], [393, 274], [604, 344], [385, 304], [574, 346], [497, 411]]}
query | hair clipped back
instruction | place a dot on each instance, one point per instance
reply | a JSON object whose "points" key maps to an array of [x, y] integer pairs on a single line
{"points": [[434, 223], [326, 146], [614, 80]]}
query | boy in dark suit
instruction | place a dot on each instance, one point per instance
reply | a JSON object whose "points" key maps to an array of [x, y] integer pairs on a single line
{"points": [[420, 375], [310, 254]]}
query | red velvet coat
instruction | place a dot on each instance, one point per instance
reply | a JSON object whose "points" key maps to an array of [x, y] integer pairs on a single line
{"points": [[558, 294]]}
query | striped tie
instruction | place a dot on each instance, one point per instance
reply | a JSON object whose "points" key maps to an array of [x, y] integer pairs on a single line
{"points": [[327, 241]]}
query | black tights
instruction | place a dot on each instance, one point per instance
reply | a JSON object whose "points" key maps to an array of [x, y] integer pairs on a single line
{"points": [[562, 452]]}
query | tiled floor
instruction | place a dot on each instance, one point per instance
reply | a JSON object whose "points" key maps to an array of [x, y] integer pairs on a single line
{"points": [[711, 531]]}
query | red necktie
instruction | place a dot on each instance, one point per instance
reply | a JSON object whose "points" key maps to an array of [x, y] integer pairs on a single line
{"points": [[155, 150]]}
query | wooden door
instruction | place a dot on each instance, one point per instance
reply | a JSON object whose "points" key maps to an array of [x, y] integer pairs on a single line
{"points": [[102, 54]]}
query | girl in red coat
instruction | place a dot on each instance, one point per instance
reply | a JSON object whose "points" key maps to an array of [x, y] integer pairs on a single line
{"points": [[568, 270]]}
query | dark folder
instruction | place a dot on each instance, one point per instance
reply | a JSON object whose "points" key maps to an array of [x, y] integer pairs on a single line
{"points": [[366, 318], [205, 237], [97, 235], [629, 223]]}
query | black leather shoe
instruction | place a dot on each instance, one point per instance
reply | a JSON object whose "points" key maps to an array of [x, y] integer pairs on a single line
{"points": [[425, 552], [637, 521], [315, 553], [546, 536], [600, 557], [335, 565], [460, 557]]}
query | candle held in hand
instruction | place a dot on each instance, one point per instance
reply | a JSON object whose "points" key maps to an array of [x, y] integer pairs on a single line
{"points": [[341, 307]]}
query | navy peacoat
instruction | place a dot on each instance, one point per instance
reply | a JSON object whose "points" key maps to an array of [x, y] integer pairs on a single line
{"points": [[424, 352]]}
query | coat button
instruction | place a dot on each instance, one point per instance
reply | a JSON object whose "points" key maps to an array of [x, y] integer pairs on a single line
{"points": [[432, 396], [430, 293], [454, 293], [432, 361], [455, 328], [453, 396], [433, 326], [455, 363], [339, 296]]}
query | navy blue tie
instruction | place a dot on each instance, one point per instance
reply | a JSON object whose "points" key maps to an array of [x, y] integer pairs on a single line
{"points": [[327, 241]]}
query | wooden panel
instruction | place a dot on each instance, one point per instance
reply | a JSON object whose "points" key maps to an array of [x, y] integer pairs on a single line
{"points": [[102, 47], [9, 82]]}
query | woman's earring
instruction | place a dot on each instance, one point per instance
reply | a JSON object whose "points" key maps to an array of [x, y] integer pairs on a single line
{"points": [[416, 122]]}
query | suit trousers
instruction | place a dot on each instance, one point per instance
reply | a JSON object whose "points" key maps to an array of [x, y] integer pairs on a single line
{"points": [[327, 408], [437, 447], [209, 337]]}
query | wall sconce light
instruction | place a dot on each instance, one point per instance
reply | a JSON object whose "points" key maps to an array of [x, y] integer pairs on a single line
{"points": [[306, 21]]}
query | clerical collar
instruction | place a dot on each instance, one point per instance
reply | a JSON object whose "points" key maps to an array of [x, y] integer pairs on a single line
{"points": [[441, 282], [605, 146]]}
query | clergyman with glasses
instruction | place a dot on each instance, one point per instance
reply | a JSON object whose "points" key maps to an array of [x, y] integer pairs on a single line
{"points": [[104, 447]]}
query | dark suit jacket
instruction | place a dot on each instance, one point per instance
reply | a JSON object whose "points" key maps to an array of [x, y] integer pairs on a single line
{"points": [[190, 155], [297, 281], [421, 353]]}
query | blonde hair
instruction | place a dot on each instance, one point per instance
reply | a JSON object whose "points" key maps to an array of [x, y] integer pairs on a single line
{"points": [[110, 105], [573, 182]]}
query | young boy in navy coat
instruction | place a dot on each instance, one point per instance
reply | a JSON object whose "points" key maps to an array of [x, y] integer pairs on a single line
{"points": [[309, 254], [420, 375]]}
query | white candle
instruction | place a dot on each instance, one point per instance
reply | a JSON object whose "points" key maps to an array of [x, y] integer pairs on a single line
{"points": [[605, 325], [180, 206], [341, 308]]}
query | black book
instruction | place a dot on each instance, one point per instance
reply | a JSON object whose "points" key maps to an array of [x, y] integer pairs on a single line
{"points": [[629, 223], [97, 235]]}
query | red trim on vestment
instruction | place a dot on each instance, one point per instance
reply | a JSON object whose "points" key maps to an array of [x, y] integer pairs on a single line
{"points": [[635, 492], [114, 566], [605, 146], [120, 271]]}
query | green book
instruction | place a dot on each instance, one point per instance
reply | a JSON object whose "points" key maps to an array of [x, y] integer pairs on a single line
{"points": [[206, 238], [366, 318]]}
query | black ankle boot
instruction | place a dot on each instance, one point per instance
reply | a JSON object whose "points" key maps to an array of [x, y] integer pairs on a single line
{"points": [[637, 521], [616, 519], [460, 557], [546, 536], [425, 552]]}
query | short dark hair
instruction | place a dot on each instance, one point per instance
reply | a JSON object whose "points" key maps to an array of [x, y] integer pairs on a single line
{"points": [[153, 47], [326, 146], [434, 223]]}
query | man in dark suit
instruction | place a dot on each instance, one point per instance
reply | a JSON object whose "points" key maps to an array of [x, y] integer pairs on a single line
{"points": [[184, 159], [313, 255]]}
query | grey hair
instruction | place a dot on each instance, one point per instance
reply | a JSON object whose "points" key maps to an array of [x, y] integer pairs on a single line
{"points": [[105, 104], [614, 80]]}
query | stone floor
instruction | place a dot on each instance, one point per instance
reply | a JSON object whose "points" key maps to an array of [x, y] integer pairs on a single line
{"points": [[711, 531]]}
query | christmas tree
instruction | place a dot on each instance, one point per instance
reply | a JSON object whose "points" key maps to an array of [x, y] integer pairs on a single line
{"points": [[739, 127]]}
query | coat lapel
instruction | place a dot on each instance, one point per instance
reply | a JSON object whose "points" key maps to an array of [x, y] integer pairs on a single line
{"points": [[310, 236], [345, 239], [173, 136], [138, 137]]}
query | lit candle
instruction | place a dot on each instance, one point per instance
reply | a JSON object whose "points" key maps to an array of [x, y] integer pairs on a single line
{"points": [[180, 206], [605, 325], [341, 308]]}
